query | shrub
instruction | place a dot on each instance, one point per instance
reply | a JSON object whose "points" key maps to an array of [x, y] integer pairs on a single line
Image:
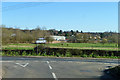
{"points": [[68, 54], [91, 55], [58, 54], [84, 55], [95, 55]]}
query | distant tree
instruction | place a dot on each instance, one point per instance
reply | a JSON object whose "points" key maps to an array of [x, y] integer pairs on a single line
{"points": [[66, 34], [60, 32], [83, 37], [113, 38], [77, 31], [71, 39], [104, 41], [72, 32], [49, 39]]}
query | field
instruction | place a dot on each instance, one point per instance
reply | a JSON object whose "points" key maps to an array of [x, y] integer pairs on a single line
{"points": [[98, 46], [20, 46], [112, 45], [72, 50]]}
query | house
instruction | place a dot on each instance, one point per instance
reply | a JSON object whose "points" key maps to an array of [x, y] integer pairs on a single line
{"points": [[40, 41], [59, 38]]}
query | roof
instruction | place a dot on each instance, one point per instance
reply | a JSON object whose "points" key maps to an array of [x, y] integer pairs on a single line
{"points": [[57, 36], [41, 38]]}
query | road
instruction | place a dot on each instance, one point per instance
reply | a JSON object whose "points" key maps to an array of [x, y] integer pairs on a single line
{"points": [[55, 68]]}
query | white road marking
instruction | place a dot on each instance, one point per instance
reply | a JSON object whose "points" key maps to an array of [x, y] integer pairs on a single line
{"points": [[50, 67], [54, 76], [48, 62], [25, 64], [22, 65]]}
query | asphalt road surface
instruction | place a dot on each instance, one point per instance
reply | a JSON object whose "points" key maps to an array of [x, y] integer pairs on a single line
{"points": [[55, 68]]}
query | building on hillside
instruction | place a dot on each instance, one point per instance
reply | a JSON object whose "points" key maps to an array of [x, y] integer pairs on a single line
{"points": [[40, 41], [59, 38]]}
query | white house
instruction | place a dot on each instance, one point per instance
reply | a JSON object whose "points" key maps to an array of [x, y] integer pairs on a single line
{"points": [[59, 38], [40, 41]]}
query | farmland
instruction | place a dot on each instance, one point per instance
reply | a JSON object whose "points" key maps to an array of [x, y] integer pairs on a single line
{"points": [[98, 46]]}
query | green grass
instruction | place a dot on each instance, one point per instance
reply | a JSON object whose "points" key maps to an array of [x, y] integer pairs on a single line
{"points": [[111, 45], [19, 48], [98, 46], [20, 44]]}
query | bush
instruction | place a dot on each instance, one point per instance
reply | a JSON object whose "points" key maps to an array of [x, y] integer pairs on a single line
{"points": [[40, 49], [68, 54], [91, 55], [84, 55], [58, 54]]}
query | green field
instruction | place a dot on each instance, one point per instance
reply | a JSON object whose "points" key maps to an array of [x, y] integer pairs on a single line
{"points": [[111, 46], [97, 46], [19, 46]]}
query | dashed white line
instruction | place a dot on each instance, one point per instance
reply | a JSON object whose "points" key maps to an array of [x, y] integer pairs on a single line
{"points": [[50, 67], [54, 76], [48, 62]]}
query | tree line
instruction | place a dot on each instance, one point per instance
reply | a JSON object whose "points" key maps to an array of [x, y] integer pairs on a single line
{"points": [[16, 35], [11, 35], [87, 37]]}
